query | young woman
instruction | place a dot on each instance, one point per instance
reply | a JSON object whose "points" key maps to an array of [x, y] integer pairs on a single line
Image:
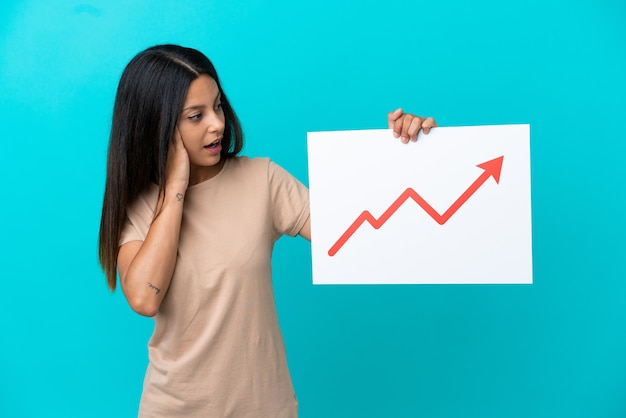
{"points": [[190, 226]]}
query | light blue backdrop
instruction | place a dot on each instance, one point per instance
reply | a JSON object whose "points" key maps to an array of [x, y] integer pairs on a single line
{"points": [[557, 348]]}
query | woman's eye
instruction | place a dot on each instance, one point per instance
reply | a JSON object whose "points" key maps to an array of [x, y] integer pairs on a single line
{"points": [[195, 117]]}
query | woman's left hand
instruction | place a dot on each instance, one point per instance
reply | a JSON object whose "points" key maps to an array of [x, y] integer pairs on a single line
{"points": [[406, 126]]}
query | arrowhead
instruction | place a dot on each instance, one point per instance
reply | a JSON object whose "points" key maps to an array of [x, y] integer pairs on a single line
{"points": [[493, 167]]}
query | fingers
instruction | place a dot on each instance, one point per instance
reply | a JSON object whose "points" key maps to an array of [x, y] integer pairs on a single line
{"points": [[407, 126], [414, 126], [177, 166], [392, 117], [177, 140], [427, 124]]}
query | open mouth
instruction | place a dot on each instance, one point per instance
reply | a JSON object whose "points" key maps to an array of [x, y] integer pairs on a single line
{"points": [[214, 144]]}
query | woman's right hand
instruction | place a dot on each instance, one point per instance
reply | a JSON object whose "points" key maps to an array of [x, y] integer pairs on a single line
{"points": [[177, 167], [146, 267]]}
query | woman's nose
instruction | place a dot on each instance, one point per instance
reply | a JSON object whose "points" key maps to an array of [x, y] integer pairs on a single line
{"points": [[215, 123]]}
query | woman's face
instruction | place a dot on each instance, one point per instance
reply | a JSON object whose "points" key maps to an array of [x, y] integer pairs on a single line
{"points": [[201, 126]]}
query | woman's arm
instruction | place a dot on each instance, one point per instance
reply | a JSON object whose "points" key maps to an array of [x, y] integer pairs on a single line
{"points": [[146, 267]]}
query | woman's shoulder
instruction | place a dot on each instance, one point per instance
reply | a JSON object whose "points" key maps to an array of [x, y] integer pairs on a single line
{"points": [[245, 161], [260, 168], [145, 203], [248, 164]]}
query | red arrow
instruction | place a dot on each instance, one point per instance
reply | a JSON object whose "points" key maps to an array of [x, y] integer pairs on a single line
{"points": [[492, 169]]}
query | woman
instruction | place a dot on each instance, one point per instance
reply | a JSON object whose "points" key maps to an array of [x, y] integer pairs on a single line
{"points": [[190, 226]]}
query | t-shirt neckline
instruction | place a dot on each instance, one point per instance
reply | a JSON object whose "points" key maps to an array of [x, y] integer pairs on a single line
{"points": [[206, 183]]}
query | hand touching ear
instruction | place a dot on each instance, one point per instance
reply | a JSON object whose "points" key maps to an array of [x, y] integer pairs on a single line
{"points": [[177, 166]]}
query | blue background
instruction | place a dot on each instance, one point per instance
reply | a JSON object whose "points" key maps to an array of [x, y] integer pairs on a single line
{"points": [[69, 348]]}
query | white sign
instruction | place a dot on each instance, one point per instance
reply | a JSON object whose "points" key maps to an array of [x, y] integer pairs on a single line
{"points": [[453, 207]]}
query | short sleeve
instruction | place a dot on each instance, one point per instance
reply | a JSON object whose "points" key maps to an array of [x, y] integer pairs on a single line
{"points": [[130, 233], [289, 200], [139, 217]]}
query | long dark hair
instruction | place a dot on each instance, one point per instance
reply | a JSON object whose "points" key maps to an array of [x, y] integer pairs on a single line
{"points": [[148, 103]]}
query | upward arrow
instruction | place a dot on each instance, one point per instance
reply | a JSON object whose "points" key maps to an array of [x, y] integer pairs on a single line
{"points": [[492, 168]]}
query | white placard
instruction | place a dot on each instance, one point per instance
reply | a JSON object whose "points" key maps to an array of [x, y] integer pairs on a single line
{"points": [[452, 208]]}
